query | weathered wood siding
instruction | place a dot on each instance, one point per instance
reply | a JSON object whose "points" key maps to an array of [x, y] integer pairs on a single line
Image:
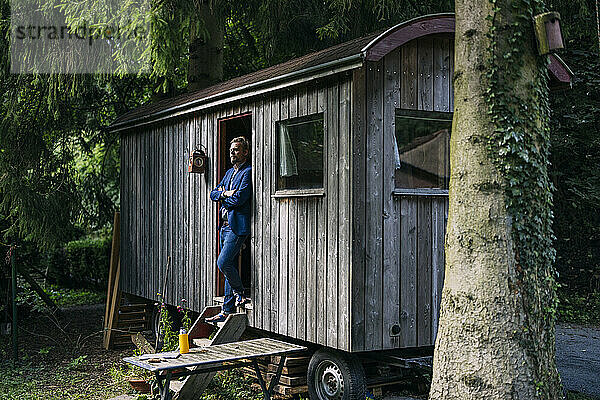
{"points": [[300, 245], [168, 244], [397, 274], [301, 251], [315, 275]]}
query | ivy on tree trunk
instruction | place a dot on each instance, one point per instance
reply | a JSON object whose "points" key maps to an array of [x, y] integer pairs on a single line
{"points": [[496, 330]]}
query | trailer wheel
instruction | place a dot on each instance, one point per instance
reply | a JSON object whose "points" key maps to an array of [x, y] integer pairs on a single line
{"points": [[335, 375]]}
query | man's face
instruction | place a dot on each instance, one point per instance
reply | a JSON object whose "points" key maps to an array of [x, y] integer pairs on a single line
{"points": [[236, 153]]}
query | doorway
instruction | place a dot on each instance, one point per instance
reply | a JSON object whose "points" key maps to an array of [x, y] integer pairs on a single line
{"points": [[228, 129]]}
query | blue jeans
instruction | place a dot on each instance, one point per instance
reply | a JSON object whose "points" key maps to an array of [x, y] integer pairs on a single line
{"points": [[231, 244]]}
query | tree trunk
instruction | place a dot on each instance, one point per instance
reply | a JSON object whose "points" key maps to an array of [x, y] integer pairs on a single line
{"points": [[496, 329], [206, 49]]}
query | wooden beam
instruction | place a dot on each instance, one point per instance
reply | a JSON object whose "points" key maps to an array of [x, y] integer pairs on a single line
{"points": [[231, 331], [113, 311], [43, 295], [141, 343], [114, 259]]}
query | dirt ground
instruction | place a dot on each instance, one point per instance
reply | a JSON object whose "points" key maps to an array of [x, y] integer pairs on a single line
{"points": [[61, 360], [65, 359]]}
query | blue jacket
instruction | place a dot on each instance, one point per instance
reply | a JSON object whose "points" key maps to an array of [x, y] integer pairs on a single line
{"points": [[237, 206]]}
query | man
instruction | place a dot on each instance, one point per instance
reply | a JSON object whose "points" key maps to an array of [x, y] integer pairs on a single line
{"points": [[234, 192]]}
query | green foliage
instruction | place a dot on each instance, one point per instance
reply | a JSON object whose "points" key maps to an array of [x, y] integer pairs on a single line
{"points": [[88, 260], [231, 385], [62, 297], [576, 171], [30, 381], [58, 161], [77, 362], [348, 19], [167, 328], [579, 308], [170, 336], [27, 298], [59, 164], [65, 297], [82, 262]]}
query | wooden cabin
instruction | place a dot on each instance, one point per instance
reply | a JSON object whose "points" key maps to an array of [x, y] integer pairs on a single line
{"points": [[350, 171]]}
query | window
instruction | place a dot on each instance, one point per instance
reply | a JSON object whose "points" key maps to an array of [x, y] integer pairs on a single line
{"points": [[422, 150], [299, 148]]}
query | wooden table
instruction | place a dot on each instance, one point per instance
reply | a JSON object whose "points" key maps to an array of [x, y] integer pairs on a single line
{"points": [[215, 358]]}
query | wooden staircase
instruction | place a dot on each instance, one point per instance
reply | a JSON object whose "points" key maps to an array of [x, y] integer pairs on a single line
{"points": [[129, 320], [199, 335], [293, 375]]}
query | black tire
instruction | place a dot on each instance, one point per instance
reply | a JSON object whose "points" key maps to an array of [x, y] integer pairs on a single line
{"points": [[334, 375]]}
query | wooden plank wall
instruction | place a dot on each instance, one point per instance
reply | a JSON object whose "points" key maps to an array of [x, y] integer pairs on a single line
{"points": [[168, 216], [403, 261], [301, 245]]}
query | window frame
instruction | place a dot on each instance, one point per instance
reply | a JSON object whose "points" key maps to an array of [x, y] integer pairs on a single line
{"points": [[298, 192], [423, 115]]}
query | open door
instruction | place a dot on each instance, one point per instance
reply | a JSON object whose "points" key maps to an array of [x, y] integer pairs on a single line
{"points": [[230, 128]]}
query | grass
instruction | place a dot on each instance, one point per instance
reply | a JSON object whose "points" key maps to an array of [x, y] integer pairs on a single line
{"points": [[30, 382], [64, 297], [63, 359], [59, 358]]}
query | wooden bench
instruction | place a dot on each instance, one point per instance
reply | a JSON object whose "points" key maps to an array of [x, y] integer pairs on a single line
{"points": [[202, 360]]}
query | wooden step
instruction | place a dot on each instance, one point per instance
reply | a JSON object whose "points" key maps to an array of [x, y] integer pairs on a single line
{"points": [[132, 314], [141, 343], [295, 370], [132, 307], [289, 380], [204, 342], [229, 331], [176, 386], [220, 324], [286, 390], [291, 361]]}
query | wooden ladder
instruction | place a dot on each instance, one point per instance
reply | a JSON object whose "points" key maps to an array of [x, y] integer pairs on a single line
{"points": [[129, 320], [228, 331]]}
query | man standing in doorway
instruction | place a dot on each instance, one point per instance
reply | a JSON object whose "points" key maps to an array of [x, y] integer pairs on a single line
{"points": [[234, 192]]}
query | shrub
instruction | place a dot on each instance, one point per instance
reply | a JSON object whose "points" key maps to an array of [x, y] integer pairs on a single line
{"points": [[83, 263]]}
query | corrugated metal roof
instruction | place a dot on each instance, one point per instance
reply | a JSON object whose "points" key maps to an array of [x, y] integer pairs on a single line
{"points": [[322, 57]]}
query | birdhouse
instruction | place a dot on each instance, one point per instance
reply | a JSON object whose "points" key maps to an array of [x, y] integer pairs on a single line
{"points": [[198, 161], [547, 32]]}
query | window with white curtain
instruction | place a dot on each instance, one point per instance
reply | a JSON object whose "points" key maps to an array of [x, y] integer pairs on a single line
{"points": [[299, 144]]}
